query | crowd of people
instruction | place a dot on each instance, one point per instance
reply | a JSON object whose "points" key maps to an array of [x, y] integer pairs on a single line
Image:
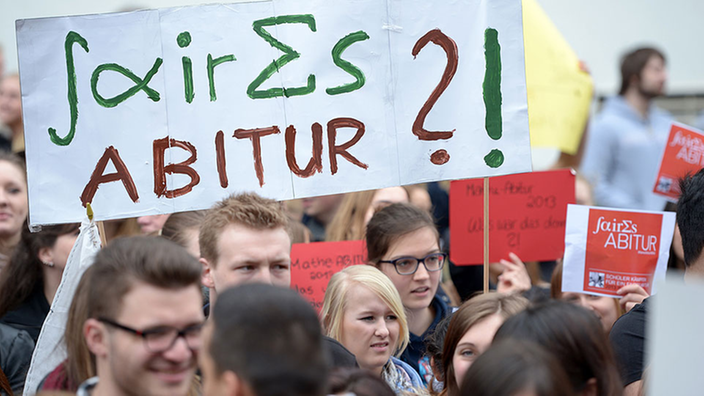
{"points": [[200, 303]]}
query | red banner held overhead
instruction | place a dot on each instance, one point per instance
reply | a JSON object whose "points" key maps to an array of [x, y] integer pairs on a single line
{"points": [[313, 264], [526, 216]]}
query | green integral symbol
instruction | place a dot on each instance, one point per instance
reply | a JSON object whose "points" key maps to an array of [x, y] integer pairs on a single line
{"points": [[71, 38], [492, 94]]}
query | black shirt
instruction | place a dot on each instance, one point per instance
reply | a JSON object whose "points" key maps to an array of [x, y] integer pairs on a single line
{"points": [[628, 342], [30, 315]]}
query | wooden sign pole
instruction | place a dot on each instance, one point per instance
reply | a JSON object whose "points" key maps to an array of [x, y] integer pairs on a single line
{"points": [[486, 235]]}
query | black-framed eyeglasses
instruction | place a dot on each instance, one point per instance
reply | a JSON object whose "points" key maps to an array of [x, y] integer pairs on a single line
{"points": [[162, 338], [409, 265]]}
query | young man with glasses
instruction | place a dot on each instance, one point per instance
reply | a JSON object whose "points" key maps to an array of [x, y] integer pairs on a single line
{"points": [[144, 319]]}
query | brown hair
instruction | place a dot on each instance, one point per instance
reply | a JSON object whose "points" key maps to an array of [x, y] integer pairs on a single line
{"points": [[15, 160], [391, 223], [177, 226], [149, 259], [469, 314], [248, 209], [633, 63], [575, 336], [348, 223], [511, 367], [80, 362], [24, 271]]}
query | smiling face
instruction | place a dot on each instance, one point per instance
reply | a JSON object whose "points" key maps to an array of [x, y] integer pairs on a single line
{"points": [[474, 342], [250, 255], [13, 200], [125, 364], [416, 290], [605, 308], [369, 330]]}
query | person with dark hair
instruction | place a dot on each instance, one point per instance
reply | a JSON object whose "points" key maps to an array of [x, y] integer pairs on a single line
{"points": [[144, 319], [628, 135], [263, 340], [577, 339], [346, 381], [30, 280], [511, 368], [433, 350], [628, 334], [404, 244]]}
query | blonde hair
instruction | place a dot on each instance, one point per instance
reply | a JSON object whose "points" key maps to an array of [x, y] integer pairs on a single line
{"points": [[335, 302], [348, 223], [247, 209]]}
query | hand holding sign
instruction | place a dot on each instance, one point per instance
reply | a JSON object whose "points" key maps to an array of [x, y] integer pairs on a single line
{"points": [[514, 278]]}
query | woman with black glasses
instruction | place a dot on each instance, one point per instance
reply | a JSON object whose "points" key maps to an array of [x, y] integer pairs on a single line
{"points": [[403, 243]]}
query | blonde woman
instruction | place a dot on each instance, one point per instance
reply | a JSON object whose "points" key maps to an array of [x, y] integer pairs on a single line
{"points": [[363, 311]]}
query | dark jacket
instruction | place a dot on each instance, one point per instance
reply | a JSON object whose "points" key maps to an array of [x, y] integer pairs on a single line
{"points": [[16, 348]]}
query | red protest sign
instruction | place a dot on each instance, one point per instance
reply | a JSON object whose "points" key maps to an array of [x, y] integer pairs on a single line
{"points": [[313, 264], [526, 216], [606, 249], [684, 153]]}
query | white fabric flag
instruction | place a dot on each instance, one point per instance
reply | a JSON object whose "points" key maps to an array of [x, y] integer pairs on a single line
{"points": [[50, 349]]}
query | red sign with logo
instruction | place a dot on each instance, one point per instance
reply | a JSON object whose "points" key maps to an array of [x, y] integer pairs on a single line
{"points": [[622, 248], [313, 264], [684, 154]]}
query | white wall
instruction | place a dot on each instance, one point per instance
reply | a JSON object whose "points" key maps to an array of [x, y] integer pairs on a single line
{"points": [[599, 31]]}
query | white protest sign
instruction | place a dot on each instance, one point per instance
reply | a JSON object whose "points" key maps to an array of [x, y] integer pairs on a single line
{"points": [[606, 249], [675, 347], [50, 350], [170, 110]]}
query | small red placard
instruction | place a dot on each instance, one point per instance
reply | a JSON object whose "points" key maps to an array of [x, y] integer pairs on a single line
{"points": [[313, 264], [684, 153]]}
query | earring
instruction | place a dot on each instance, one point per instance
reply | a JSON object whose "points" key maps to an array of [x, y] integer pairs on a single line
{"points": [[49, 264]]}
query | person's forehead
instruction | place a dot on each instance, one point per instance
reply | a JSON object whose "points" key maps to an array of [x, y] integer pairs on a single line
{"points": [[146, 304], [242, 236]]}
